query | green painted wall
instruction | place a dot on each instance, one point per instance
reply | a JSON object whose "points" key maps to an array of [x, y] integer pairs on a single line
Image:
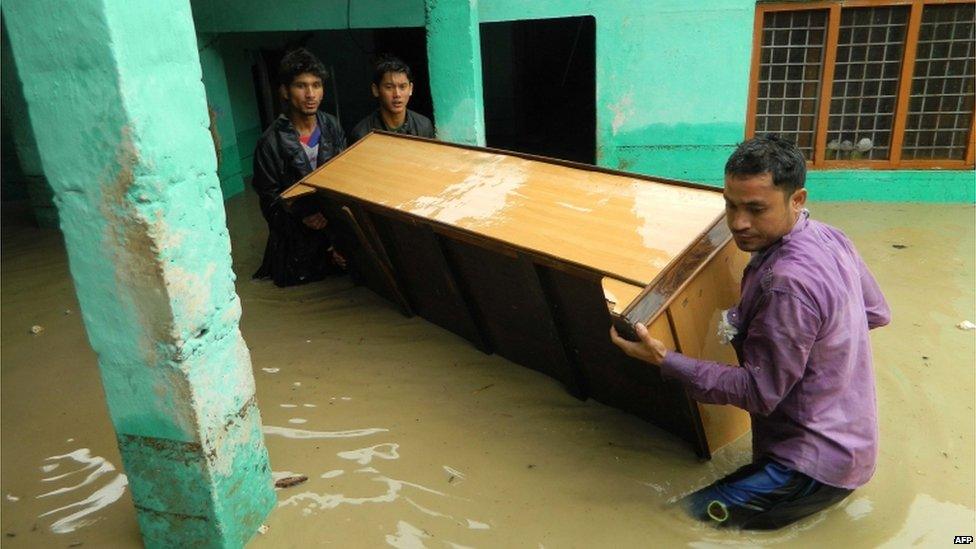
{"points": [[454, 57], [893, 185], [219, 102], [142, 214], [22, 173], [672, 81], [293, 15], [242, 104]]}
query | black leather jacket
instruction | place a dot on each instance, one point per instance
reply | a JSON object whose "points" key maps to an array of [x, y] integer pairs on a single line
{"points": [[413, 124], [294, 253]]}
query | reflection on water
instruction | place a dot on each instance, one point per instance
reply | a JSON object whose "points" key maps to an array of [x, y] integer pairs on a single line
{"points": [[391, 494], [859, 508], [931, 523], [302, 433], [407, 536], [363, 456], [455, 474], [111, 489], [331, 490], [475, 525]]}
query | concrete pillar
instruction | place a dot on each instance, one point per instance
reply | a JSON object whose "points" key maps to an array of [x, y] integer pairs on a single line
{"points": [[31, 177], [119, 113], [454, 59]]}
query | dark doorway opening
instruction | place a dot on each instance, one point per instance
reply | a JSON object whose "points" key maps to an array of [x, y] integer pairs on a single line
{"points": [[540, 86]]}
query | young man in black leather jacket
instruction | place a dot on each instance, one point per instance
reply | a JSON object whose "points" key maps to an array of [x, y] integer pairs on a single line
{"points": [[300, 242]]}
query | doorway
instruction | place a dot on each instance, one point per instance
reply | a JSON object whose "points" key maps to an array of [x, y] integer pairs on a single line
{"points": [[539, 79]]}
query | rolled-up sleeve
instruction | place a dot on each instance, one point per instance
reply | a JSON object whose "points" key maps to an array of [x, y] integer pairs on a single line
{"points": [[774, 358]]}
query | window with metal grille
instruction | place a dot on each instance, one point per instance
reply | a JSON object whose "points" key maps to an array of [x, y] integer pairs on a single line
{"points": [[867, 83], [789, 75], [940, 109]]}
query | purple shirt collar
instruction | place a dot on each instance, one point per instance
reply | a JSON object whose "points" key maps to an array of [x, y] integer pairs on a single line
{"points": [[799, 225]]}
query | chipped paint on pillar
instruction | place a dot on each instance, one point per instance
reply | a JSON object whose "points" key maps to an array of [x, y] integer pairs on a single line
{"points": [[143, 220], [454, 60], [174, 495]]}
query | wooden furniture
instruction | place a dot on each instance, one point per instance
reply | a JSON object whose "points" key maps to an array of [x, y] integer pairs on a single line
{"points": [[533, 258]]}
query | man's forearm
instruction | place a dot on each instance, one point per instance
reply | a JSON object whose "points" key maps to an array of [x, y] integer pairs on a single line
{"points": [[712, 382]]}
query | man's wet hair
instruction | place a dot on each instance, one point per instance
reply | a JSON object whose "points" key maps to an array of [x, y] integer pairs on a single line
{"points": [[297, 62], [773, 155], [388, 63]]}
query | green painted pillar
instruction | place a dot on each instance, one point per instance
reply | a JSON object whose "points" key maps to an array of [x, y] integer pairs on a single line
{"points": [[120, 116], [31, 176], [221, 110], [454, 60]]}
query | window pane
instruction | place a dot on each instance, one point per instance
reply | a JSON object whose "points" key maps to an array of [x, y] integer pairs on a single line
{"points": [[940, 109], [869, 54], [789, 75]]}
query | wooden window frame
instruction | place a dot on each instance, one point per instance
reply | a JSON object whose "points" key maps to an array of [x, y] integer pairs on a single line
{"points": [[819, 161]]}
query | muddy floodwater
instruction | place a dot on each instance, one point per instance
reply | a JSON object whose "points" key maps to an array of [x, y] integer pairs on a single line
{"points": [[410, 437]]}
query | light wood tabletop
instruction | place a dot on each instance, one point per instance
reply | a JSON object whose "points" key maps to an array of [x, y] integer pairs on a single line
{"points": [[628, 227]]}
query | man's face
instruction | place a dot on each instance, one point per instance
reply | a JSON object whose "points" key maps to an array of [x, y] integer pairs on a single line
{"points": [[758, 212], [393, 92], [304, 94]]}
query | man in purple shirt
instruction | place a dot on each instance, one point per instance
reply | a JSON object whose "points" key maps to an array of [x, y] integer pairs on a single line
{"points": [[801, 337]]}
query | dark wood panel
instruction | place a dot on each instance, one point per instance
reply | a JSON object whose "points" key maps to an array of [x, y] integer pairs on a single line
{"points": [[427, 279], [612, 377], [375, 252], [509, 300], [361, 267]]}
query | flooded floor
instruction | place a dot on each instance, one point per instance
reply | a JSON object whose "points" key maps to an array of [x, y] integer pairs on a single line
{"points": [[410, 437]]}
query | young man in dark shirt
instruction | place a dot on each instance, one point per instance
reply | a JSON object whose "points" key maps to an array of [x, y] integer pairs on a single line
{"points": [[300, 247], [392, 87]]}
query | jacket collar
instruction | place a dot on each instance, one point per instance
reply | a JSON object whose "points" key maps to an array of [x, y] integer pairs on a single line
{"points": [[380, 124], [290, 141]]}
